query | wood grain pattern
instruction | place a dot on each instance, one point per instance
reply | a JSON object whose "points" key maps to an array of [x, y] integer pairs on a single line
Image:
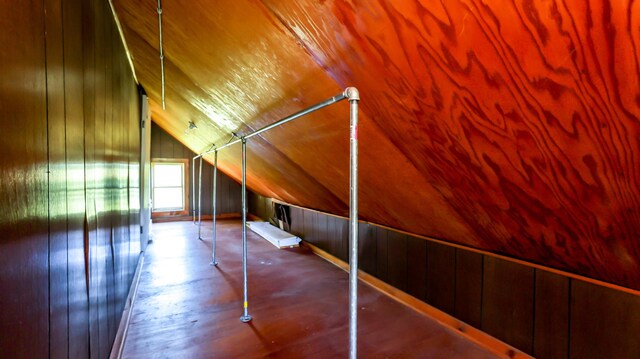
{"points": [[468, 287], [297, 221], [57, 176], [23, 184], [517, 122], [367, 248], [317, 181], [78, 336], [507, 302], [441, 276], [606, 317], [397, 260], [380, 236], [539, 148], [417, 267], [551, 331]]}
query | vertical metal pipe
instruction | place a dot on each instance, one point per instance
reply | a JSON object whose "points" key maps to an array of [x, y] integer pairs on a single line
{"points": [[354, 97], [193, 189], [161, 50], [200, 200], [245, 318], [214, 262]]}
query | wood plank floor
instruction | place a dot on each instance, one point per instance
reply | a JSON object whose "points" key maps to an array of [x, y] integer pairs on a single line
{"points": [[186, 308]]}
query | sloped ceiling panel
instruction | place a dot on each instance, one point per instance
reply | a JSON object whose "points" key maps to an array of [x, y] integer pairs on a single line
{"points": [[507, 126]]}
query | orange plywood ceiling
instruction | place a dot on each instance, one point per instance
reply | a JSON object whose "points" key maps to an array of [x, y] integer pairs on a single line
{"points": [[507, 126]]}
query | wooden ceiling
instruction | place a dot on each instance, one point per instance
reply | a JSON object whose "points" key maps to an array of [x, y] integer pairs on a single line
{"points": [[509, 126]]}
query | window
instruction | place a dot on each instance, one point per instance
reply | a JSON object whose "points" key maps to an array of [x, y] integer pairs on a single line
{"points": [[168, 183]]}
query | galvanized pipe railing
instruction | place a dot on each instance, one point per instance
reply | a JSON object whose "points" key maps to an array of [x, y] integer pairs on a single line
{"points": [[214, 262], [354, 97], [193, 188], [200, 200], [245, 318], [159, 9], [193, 191], [292, 117], [352, 94]]}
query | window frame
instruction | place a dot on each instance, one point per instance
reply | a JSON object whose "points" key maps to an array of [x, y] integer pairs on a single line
{"points": [[185, 164]]}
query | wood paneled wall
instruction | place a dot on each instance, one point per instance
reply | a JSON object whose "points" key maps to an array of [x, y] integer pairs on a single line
{"points": [[539, 312], [260, 206], [229, 192], [69, 179]]}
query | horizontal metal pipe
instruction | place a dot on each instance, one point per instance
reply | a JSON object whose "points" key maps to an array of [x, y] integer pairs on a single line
{"points": [[211, 149], [296, 115], [227, 145], [306, 111]]}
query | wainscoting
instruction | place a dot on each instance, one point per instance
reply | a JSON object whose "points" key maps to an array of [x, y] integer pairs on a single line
{"points": [[540, 312]]}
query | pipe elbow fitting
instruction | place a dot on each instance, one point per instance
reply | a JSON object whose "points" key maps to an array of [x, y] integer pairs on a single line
{"points": [[352, 94]]}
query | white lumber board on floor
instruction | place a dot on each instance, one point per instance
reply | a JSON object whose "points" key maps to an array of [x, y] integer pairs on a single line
{"points": [[274, 235]]}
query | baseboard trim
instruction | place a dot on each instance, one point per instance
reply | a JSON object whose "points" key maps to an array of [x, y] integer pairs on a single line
{"points": [[457, 326], [123, 328], [253, 217]]}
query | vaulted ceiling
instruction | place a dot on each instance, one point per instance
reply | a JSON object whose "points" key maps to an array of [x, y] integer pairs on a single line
{"points": [[509, 126]]}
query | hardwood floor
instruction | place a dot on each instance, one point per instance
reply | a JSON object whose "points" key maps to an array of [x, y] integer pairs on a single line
{"points": [[186, 308]]}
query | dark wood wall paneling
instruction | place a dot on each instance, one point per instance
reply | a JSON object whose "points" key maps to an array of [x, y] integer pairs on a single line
{"points": [[468, 287], [604, 323], [23, 184], [228, 191], [544, 314], [551, 308], [78, 335], [58, 239], [69, 180], [260, 206], [507, 302]]}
